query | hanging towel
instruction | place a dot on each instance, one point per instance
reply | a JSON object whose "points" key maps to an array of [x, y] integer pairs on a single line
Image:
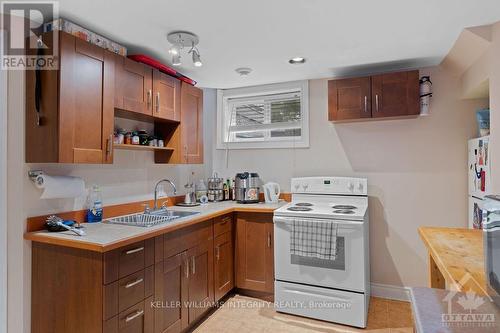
{"points": [[314, 239]]}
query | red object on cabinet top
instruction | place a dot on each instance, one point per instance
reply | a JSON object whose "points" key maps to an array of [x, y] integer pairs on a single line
{"points": [[161, 67]]}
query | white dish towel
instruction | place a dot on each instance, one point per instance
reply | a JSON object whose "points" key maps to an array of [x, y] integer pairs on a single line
{"points": [[314, 239]]}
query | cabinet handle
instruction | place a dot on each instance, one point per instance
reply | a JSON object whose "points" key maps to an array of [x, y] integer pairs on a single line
{"points": [[366, 104], [139, 249], [186, 270], [217, 253], [157, 102], [131, 284], [133, 316], [193, 265], [269, 239], [109, 145], [376, 102], [186, 153], [149, 98]]}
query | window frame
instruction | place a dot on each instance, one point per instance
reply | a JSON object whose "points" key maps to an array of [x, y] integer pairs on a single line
{"points": [[224, 95]]}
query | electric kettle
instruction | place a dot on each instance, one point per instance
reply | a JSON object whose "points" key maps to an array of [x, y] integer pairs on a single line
{"points": [[272, 192]]}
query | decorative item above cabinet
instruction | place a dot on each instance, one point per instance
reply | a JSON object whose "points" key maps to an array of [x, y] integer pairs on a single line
{"points": [[378, 96]]}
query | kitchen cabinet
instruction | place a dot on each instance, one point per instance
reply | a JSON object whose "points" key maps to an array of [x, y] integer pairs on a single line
{"points": [[191, 124], [349, 98], [70, 119], [223, 265], [145, 90], [378, 96], [201, 283], [254, 252], [395, 94]]}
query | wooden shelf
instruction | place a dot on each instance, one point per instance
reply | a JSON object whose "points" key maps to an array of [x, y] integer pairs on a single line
{"points": [[140, 147]]}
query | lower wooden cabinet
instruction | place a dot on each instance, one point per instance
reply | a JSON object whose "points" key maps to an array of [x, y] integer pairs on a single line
{"points": [[136, 319], [254, 252], [201, 280], [223, 265]]}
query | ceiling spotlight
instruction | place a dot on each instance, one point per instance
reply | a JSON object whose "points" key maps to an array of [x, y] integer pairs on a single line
{"points": [[196, 58], [297, 60], [176, 60], [181, 40], [243, 71]]}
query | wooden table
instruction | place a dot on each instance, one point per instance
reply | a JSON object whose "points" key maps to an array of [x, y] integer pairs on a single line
{"points": [[456, 259]]}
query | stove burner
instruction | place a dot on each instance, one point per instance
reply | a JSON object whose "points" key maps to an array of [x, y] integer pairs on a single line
{"points": [[344, 207], [304, 204], [299, 209], [343, 211]]}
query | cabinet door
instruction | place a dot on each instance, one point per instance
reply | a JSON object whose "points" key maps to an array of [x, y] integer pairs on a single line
{"points": [[254, 252], [223, 265], [135, 87], [349, 99], [171, 294], [201, 280], [395, 94], [166, 96], [191, 124], [86, 102]]}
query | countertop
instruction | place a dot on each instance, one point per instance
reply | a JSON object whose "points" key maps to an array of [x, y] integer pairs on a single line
{"points": [[103, 237], [459, 256], [438, 310]]}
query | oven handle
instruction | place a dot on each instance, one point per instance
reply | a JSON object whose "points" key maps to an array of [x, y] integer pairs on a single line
{"points": [[278, 219]]}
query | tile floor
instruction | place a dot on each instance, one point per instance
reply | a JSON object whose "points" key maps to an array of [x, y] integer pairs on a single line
{"points": [[242, 314]]}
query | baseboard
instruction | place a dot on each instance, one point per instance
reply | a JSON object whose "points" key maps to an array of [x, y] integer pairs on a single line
{"points": [[390, 292]]}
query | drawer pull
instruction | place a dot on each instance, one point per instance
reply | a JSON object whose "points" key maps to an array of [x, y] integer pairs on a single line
{"points": [[139, 249], [131, 284], [133, 316]]}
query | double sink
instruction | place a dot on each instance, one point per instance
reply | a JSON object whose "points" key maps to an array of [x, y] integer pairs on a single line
{"points": [[149, 219]]}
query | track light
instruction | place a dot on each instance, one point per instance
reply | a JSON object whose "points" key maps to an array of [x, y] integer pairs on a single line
{"points": [[181, 40], [196, 58]]}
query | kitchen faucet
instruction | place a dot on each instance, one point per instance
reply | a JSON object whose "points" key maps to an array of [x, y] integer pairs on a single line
{"points": [[156, 190]]}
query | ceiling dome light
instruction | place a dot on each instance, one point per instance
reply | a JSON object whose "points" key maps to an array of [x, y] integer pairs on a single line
{"points": [[176, 60], [243, 71], [196, 58], [297, 60]]}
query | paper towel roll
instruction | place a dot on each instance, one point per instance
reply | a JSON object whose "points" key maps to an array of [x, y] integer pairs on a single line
{"points": [[59, 187]]}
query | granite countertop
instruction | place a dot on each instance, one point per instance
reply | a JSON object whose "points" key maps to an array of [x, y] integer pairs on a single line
{"points": [[102, 237]]}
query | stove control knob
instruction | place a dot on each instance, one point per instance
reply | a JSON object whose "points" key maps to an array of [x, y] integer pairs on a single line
{"points": [[305, 186], [361, 187], [350, 186]]}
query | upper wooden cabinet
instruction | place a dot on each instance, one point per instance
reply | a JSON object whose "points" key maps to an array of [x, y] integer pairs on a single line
{"points": [[71, 119], [191, 124], [143, 89], [385, 95], [166, 96], [134, 86], [254, 252], [349, 98]]}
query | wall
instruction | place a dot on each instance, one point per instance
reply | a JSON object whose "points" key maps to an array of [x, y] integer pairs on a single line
{"points": [[130, 178], [416, 170]]}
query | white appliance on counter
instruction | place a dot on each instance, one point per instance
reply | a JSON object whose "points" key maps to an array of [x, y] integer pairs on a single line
{"points": [[479, 178], [335, 290]]}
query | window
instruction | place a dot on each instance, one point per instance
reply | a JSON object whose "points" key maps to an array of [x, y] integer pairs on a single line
{"points": [[270, 116]]}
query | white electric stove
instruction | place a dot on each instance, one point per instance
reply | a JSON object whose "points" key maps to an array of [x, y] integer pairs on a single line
{"points": [[332, 290]]}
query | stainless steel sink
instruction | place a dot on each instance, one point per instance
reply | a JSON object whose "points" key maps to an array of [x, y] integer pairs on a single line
{"points": [[150, 219]]}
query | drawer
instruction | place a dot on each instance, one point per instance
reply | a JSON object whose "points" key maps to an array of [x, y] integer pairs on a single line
{"points": [[223, 224], [128, 259], [124, 293], [136, 319], [183, 239]]}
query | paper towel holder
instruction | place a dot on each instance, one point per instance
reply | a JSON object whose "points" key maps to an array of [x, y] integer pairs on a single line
{"points": [[33, 174]]}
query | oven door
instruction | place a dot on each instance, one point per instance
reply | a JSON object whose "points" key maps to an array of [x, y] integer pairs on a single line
{"points": [[491, 240], [349, 271]]}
